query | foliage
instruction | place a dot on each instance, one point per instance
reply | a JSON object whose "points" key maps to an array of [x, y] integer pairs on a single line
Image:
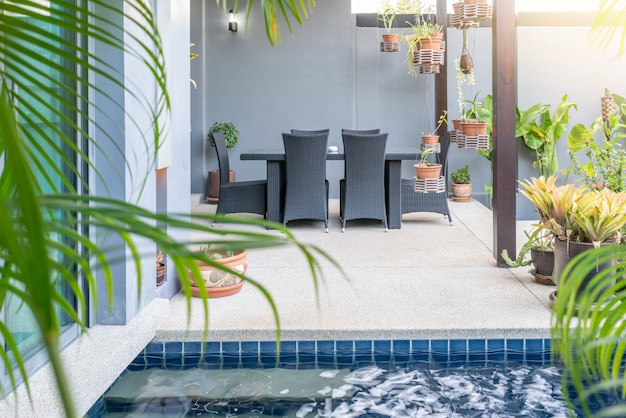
{"points": [[608, 21], [272, 9], [538, 238], [440, 122], [576, 213], [541, 131], [231, 134], [422, 28], [461, 78], [424, 157], [461, 176], [606, 165], [43, 221], [387, 17]]}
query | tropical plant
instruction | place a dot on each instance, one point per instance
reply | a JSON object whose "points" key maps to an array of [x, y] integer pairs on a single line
{"points": [[576, 213], [41, 219], [422, 28], [539, 237], [606, 162], [387, 17], [231, 134], [424, 157], [461, 176], [541, 131]]}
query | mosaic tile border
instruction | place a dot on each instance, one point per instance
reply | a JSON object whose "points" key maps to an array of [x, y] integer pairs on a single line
{"points": [[342, 353]]}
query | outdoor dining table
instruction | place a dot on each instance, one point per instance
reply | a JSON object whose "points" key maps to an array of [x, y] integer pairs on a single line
{"points": [[275, 158]]}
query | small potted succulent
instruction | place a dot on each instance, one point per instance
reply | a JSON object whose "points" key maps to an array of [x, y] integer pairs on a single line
{"points": [[231, 137], [461, 184]]}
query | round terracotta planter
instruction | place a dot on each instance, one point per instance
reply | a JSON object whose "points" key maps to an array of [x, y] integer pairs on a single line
{"points": [[430, 139], [431, 42], [432, 171], [213, 190], [456, 123], [474, 128], [220, 283], [462, 192], [391, 37]]}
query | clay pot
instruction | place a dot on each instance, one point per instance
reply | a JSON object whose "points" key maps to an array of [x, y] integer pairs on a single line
{"points": [[432, 171], [220, 283], [391, 37], [462, 192], [431, 42], [474, 128], [430, 139]]}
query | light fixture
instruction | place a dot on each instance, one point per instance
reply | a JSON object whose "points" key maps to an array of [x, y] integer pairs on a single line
{"points": [[232, 21]]}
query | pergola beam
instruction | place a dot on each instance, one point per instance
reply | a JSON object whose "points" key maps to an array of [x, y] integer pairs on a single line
{"points": [[504, 157]]}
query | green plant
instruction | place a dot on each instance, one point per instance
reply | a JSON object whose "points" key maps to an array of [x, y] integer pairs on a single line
{"points": [[231, 134], [541, 131], [421, 29], [538, 238], [440, 122], [606, 162], [424, 156], [576, 213], [461, 176], [44, 220], [387, 17], [462, 78]]}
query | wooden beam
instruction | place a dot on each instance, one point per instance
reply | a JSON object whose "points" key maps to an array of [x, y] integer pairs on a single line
{"points": [[441, 79], [504, 44]]}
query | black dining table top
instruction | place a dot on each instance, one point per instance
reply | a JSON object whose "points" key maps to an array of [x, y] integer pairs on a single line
{"points": [[278, 154]]}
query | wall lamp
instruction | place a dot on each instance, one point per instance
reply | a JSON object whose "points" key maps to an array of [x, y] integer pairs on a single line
{"points": [[232, 21]]}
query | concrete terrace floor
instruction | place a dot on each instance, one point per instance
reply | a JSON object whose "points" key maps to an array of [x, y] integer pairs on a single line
{"points": [[426, 280]]}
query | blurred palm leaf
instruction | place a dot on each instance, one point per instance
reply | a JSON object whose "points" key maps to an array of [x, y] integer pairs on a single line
{"points": [[36, 209]]}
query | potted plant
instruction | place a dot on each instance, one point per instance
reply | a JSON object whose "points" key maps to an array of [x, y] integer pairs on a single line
{"points": [[579, 218], [541, 131], [222, 270], [390, 39], [423, 35], [432, 137], [473, 123], [424, 169], [606, 162], [540, 247], [461, 185], [231, 136]]}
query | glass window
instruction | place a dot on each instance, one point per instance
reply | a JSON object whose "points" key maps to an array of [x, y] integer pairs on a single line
{"points": [[35, 96]]}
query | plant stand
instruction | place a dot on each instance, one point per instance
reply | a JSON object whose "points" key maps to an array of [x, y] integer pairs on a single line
{"points": [[473, 142], [429, 185]]}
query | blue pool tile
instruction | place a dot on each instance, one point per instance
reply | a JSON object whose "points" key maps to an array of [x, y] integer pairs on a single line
{"points": [[154, 348], [420, 350], [174, 348], [267, 347], [382, 352], [515, 344], [458, 351], [155, 360], [306, 346], [534, 345], [231, 347], [192, 348], [363, 347], [325, 346], [477, 346], [439, 351], [212, 348], [402, 347], [288, 347], [345, 347], [495, 350]]}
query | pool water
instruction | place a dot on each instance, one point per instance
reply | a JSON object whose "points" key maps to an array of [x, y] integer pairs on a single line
{"points": [[401, 381]]}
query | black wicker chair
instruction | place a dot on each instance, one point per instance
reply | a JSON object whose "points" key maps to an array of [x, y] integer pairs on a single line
{"points": [[360, 131], [362, 190], [412, 201], [306, 187], [238, 196], [300, 132]]}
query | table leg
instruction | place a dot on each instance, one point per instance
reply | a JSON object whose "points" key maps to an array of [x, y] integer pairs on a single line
{"points": [[393, 174], [274, 200]]}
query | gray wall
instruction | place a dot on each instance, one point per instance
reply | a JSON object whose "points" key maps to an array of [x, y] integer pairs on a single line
{"points": [[331, 74]]}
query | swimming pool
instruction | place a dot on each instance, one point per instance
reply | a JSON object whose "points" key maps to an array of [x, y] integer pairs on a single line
{"points": [[366, 378]]}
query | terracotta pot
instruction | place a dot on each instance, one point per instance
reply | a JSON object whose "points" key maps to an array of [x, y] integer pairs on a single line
{"points": [[213, 189], [391, 37], [431, 42], [221, 283], [462, 192], [566, 250], [456, 123], [160, 273], [457, 8], [432, 171], [474, 128], [430, 139]]}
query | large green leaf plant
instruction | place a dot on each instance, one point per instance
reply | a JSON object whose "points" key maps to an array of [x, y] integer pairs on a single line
{"points": [[588, 327], [41, 244]]}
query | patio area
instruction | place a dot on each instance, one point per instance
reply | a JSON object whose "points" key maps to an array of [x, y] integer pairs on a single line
{"points": [[426, 280]]}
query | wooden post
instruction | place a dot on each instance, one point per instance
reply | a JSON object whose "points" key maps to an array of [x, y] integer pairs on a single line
{"points": [[504, 51], [441, 78]]}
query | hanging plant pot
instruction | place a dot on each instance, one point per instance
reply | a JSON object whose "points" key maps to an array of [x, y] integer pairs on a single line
{"points": [[431, 171], [474, 128], [430, 42], [391, 37], [220, 283], [430, 139]]}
